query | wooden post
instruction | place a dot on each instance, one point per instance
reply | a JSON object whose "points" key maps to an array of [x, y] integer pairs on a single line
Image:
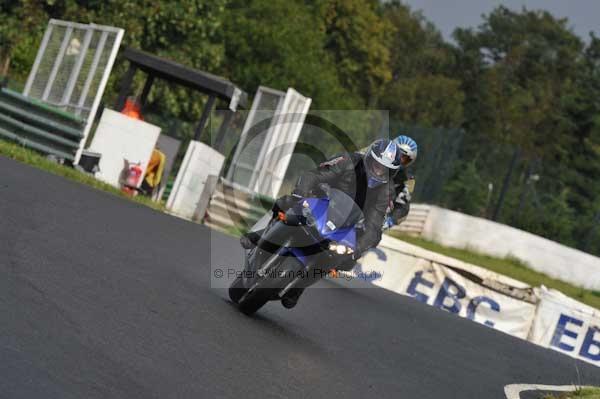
{"points": [[146, 90], [513, 164], [220, 139], [204, 118], [125, 87]]}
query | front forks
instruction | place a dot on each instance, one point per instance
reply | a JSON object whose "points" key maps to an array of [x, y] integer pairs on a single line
{"points": [[272, 260], [312, 276]]}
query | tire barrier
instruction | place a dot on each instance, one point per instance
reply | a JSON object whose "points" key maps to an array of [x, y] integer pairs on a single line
{"points": [[39, 126]]}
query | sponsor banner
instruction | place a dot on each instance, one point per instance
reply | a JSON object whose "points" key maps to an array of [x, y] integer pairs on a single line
{"points": [[460, 290], [567, 326], [541, 316]]}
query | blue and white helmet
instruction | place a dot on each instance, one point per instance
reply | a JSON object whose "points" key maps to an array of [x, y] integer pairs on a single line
{"points": [[408, 147], [382, 160]]}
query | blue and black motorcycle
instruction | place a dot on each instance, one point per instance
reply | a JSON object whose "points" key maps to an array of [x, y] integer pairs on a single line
{"points": [[297, 247]]}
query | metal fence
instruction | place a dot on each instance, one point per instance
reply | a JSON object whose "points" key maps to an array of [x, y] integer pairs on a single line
{"points": [[72, 66], [266, 103], [268, 140], [438, 156]]}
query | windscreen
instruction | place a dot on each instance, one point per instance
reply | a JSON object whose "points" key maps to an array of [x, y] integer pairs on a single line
{"points": [[342, 210]]}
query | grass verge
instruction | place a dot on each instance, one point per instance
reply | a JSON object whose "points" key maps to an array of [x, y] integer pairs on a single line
{"points": [[585, 393], [29, 157], [509, 266]]}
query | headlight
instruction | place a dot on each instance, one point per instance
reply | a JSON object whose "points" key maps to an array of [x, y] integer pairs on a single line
{"points": [[340, 249]]}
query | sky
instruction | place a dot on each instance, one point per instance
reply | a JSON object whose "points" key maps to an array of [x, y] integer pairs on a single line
{"points": [[583, 15]]}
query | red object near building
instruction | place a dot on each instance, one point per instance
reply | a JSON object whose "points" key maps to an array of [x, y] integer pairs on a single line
{"points": [[133, 178]]}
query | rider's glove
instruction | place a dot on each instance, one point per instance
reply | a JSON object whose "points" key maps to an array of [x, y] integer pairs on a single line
{"points": [[388, 222], [284, 203]]}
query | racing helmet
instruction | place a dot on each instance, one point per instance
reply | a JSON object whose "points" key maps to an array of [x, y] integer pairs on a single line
{"points": [[381, 160], [408, 150]]}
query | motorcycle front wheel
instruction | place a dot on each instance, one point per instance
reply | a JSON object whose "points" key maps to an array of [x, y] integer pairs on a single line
{"points": [[237, 290], [269, 286], [254, 299]]}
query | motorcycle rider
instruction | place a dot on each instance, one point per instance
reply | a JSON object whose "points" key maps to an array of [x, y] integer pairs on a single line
{"points": [[403, 183], [364, 177]]}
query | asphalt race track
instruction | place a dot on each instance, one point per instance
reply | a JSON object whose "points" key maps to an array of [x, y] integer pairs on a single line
{"points": [[104, 298]]}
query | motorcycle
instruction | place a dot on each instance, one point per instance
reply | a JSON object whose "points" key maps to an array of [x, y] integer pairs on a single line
{"points": [[298, 246]]}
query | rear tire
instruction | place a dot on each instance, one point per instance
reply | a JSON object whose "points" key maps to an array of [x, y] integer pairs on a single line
{"points": [[237, 290]]}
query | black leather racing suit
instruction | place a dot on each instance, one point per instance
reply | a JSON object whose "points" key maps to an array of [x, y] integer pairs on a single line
{"points": [[347, 173]]}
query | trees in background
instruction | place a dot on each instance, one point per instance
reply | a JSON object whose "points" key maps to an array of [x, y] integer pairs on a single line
{"points": [[357, 37], [529, 84], [16, 48], [280, 44], [423, 89], [522, 81], [188, 31]]}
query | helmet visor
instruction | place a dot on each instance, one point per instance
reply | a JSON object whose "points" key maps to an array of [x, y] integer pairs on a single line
{"points": [[407, 154], [376, 170]]}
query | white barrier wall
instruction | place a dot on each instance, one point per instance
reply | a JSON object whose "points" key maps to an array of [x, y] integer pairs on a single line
{"points": [[567, 326], [119, 138], [455, 229], [200, 162]]}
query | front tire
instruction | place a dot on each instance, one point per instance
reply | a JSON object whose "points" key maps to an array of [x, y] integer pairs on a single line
{"points": [[268, 287], [237, 290], [254, 299]]}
